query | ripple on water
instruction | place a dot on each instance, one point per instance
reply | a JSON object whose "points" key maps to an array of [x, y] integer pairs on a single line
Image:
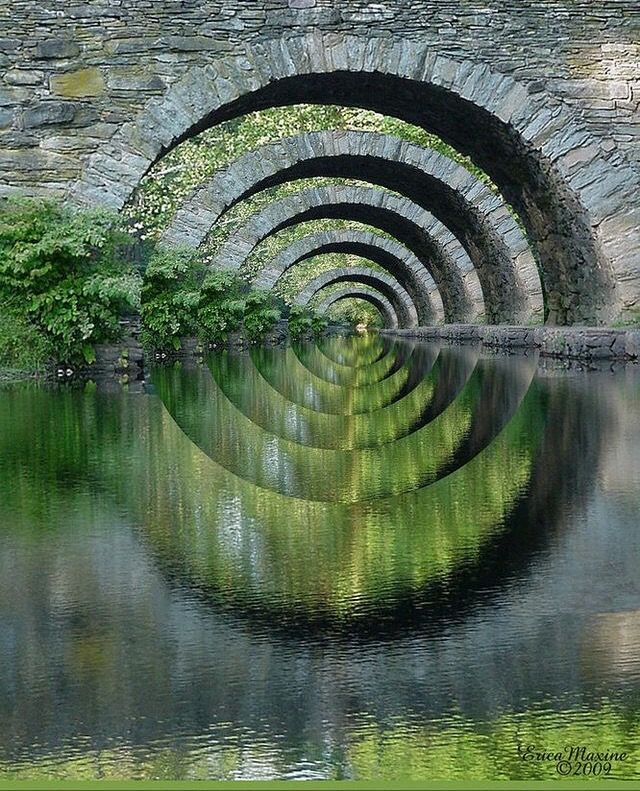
{"points": [[357, 559]]}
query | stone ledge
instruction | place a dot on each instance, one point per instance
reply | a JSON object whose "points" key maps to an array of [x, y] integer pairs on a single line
{"points": [[575, 343]]}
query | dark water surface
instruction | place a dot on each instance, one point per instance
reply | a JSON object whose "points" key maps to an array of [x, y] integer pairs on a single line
{"points": [[361, 558]]}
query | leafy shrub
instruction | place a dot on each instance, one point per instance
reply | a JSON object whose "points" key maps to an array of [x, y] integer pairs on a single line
{"points": [[221, 306], [303, 321], [66, 272], [170, 297], [319, 323], [260, 313], [22, 346], [179, 299]]}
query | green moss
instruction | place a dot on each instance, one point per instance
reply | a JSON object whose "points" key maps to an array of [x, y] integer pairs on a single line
{"points": [[83, 82]]}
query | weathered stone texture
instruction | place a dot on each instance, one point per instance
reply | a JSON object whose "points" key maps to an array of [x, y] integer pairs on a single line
{"points": [[577, 343], [581, 51], [553, 85], [387, 285]]}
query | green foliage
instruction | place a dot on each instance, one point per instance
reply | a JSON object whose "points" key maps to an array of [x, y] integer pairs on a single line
{"points": [[65, 273], [170, 297], [630, 318], [179, 298], [303, 321], [221, 306], [319, 323], [355, 311], [260, 313], [22, 346]]}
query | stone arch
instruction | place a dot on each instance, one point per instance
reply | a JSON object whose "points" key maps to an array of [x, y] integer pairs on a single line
{"points": [[474, 214], [431, 242], [380, 281], [379, 301], [387, 253], [576, 198]]}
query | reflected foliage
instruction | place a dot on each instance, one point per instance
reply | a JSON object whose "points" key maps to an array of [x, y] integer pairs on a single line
{"points": [[147, 590]]}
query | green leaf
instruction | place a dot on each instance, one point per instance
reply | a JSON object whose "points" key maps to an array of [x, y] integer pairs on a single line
{"points": [[89, 354]]}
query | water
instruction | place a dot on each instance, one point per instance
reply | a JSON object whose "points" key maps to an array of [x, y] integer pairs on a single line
{"points": [[361, 559]]}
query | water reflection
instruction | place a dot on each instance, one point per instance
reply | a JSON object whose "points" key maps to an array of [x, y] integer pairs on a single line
{"points": [[162, 614]]}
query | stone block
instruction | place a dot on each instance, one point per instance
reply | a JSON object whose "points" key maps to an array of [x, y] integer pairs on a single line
{"points": [[48, 113], [13, 96], [24, 77], [82, 82], [194, 43], [633, 344], [619, 346], [57, 48], [9, 44], [135, 82], [126, 46]]}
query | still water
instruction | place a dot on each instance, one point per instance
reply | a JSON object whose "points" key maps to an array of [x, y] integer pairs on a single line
{"points": [[362, 558]]}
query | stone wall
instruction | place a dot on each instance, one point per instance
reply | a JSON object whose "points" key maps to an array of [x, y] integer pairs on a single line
{"points": [[92, 95], [570, 343], [89, 65]]}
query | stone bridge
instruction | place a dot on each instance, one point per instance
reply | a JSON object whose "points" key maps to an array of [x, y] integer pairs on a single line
{"points": [[541, 96], [385, 284], [389, 254], [437, 249], [365, 293]]}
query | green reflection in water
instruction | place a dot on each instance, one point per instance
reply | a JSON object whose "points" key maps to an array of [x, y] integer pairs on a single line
{"points": [[354, 351], [66, 455], [253, 545], [246, 449], [238, 379], [403, 750], [320, 365], [466, 749], [284, 371]]}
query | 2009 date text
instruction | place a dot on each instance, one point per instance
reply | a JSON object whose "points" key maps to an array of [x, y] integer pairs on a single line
{"points": [[575, 760]]}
